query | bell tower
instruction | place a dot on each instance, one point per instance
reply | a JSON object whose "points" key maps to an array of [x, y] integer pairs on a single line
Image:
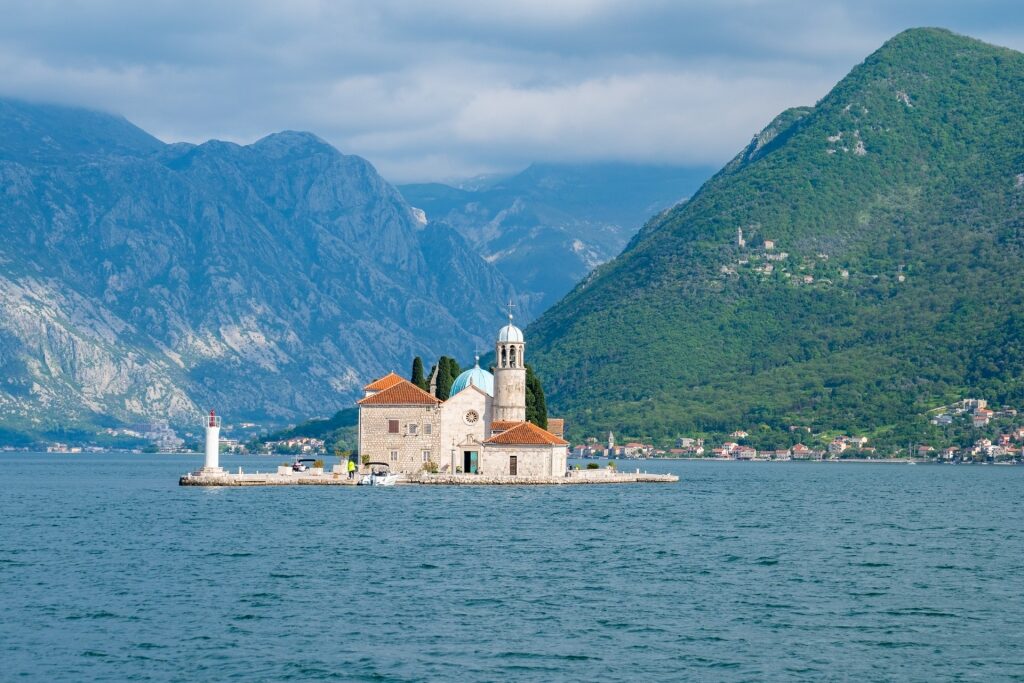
{"points": [[510, 373]]}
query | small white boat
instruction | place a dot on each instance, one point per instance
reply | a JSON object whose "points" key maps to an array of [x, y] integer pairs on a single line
{"points": [[380, 475], [300, 465]]}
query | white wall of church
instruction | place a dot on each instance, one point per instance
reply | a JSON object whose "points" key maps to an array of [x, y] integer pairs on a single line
{"points": [[457, 429], [531, 461], [419, 435]]}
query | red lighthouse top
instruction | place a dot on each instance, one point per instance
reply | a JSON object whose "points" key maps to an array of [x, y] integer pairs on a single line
{"points": [[213, 419]]}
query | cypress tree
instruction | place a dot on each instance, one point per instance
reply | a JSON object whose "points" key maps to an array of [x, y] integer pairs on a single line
{"points": [[417, 374], [536, 405], [444, 378], [453, 368]]}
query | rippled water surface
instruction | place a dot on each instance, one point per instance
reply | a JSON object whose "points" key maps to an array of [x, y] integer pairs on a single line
{"points": [[742, 571]]}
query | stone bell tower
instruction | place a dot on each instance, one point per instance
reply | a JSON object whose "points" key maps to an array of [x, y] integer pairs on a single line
{"points": [[510, 373]]}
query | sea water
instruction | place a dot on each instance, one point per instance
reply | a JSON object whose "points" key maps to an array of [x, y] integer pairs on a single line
{"points": [[741, 571]]}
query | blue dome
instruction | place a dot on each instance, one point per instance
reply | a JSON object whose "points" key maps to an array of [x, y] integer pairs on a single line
{"points": [[481, 379]]}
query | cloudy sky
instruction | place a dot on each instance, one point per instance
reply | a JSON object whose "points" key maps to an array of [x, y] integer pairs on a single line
{"points": [[443, 89]]}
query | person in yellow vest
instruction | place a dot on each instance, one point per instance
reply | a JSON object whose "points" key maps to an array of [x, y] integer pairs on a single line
{"points": [[351, 468]]}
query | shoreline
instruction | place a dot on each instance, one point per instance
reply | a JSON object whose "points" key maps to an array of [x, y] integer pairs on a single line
{"points": [[282, 478]]}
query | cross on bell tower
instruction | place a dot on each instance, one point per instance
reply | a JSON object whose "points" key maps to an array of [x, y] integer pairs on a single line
{"points": [[510, 305]]}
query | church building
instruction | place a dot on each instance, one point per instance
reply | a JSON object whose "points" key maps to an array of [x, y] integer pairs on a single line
{"points": [[480, 429]]}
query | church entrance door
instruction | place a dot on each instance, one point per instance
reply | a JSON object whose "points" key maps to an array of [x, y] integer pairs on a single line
{"points": [[469, 461], [513, 465]]}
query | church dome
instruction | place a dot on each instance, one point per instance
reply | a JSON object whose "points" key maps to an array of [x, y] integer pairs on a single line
{"points": [[481, 379], [510, 333]]}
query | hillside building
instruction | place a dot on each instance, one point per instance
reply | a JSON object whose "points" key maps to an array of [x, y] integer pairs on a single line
{"points": [[480, 429]]}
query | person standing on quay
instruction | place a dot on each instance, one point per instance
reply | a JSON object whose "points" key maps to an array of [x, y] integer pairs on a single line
{"points": [[351, 468]]}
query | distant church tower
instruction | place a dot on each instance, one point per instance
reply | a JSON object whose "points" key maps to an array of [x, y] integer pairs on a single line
{"points": [[611, 441], [740, 242], [510, 373]]}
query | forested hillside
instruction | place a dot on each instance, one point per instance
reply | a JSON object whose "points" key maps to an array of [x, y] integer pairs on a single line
{"points": [[880, 276]]}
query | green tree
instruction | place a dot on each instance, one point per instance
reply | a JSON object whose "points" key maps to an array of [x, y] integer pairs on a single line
{"points": [[536, 406], [417, 374], [444, 378], [447, 370]]}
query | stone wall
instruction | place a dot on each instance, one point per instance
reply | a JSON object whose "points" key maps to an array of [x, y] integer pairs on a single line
{"points": [[510, 394], [377, 443], [531, 461], [459, 433]]}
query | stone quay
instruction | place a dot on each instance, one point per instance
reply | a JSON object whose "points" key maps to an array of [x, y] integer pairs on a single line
{"points": [[315, 476]]}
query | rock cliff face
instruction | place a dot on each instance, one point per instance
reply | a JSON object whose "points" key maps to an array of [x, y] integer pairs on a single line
{"points": [[548, 226], [271, 280]]}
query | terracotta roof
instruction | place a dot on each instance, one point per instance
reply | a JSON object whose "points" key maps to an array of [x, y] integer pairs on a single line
{"points": [[403, 393], [386, 382], [556, 426], [527, 434], [502, 425]]}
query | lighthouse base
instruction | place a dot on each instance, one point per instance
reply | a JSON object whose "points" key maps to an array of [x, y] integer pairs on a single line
{"points": [[211, 472]]}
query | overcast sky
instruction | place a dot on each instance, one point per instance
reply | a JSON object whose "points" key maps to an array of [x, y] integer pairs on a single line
{"points": [[451, 88]]}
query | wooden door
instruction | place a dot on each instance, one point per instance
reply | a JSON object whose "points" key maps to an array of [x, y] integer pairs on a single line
{"points": [[513, 465]]}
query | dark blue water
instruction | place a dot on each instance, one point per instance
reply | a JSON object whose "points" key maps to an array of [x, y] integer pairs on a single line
{"points": [[110, 571]]}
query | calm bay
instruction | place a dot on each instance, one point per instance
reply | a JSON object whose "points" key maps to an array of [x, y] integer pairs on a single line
{"points": [[741, 571]]}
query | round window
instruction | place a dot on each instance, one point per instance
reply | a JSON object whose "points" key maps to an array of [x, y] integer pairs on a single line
{"points": [[471, 417]]}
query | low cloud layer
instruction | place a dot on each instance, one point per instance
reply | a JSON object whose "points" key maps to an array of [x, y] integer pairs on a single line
{"points": [[452, 88]]}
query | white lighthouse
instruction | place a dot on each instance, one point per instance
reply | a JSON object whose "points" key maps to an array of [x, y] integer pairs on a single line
{"points": [[212, 463]]}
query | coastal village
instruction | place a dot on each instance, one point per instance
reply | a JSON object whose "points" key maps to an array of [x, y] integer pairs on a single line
{"points": [[997, 437], [971, 414]]}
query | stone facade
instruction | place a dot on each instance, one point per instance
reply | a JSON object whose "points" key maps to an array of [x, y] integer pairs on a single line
{"points": [[417, 440], [465, 421], [510, 394], [531, 461], [510, 374]]}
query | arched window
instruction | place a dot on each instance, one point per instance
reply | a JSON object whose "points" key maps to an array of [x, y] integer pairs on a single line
{"points": [[512, 356], [504, 358]]}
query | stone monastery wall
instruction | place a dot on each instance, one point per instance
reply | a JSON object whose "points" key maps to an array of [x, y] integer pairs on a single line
{"points": [[418, 438]]}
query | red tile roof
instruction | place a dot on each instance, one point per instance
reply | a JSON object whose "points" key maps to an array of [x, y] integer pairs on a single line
{"points": [[502, 425], [386, 382], [527, 434], [556, 426], [403, 393]]}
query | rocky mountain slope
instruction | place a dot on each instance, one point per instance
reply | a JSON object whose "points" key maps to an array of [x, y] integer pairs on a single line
{"points": [[548, 226], [141, 279], [880, 276]]}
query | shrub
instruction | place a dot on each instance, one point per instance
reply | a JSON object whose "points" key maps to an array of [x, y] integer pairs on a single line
{"points": [[593, 466], [318, 463], [430, 466]]}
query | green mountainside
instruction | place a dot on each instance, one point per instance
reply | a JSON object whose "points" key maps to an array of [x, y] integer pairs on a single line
{"points": [[896, 208]]}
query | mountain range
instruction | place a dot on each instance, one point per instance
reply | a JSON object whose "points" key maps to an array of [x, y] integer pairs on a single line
{"points": [[878, 274], [141, 279], [548, 226]]}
